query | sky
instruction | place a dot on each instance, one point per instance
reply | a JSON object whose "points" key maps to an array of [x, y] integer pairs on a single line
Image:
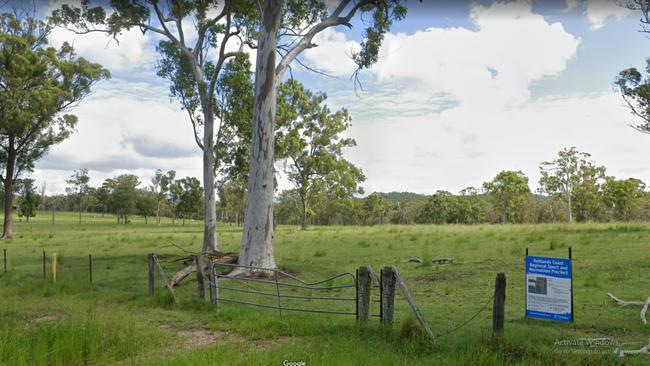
{"points": [[461, 91]]}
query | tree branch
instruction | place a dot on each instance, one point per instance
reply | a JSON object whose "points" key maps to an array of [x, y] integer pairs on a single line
{"points": [[306, 41]]}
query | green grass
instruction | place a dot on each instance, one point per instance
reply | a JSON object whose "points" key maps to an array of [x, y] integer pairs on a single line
{"points": [[113, 321]]}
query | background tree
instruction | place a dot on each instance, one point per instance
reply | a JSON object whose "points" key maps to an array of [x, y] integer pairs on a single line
{"points": [[374, 206], [622, 197], [160, 184], [572, 177], [438, 209], [42, 190], [79, 187], [232, 200], [123, 195], [192, 64], [510, 191], [28, 198], [289, 27], [102, 196], [190, 198], [39, 85], [146, 203], [173, 198], [309, 140]]}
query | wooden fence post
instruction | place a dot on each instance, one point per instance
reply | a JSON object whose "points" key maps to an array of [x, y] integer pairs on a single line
{"points": [[5, 259], [364, 286], [54, 267], [214, 290], [90, 267], [414, 307], [199, 276], [387, 294], [498, 309], [152, 274]]}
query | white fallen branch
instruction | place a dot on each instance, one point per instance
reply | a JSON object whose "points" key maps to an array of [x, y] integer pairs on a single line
{"points": [[643, 349], [645, 304], [645, 310]]}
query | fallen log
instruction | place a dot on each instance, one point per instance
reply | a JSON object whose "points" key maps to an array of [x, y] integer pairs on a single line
{"points": [[644, 304], [442, 261], [644, 349], [413, 260], [179, 276]]}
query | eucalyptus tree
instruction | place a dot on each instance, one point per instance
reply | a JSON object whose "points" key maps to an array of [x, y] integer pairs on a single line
{"points": [[191, 194], [309, 141], [510, 191], [123, 195], [634, 85], [191, 62], [574, 178], [160, 184], [289, 27], [621, 197], [78, 188], [39, 86], [145, 203]]}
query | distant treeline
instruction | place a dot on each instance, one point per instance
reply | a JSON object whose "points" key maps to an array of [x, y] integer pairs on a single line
{"points": [[572, 188]]}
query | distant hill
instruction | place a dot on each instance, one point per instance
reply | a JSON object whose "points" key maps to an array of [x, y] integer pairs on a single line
{"points": [[409, 197], [406, 197]]}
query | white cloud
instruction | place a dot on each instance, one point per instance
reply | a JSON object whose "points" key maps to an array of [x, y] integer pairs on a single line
{"points": [[463, 146], [599, 11], [133, 52], [510, 48], [480, 117], [120, 132], [333, 54]]}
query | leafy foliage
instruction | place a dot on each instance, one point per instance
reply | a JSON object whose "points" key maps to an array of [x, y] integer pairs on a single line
{"points": [[309, 141]]}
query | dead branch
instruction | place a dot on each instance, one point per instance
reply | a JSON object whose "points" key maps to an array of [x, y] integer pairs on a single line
{"points": [[645, 304], [643, 349], [179, 276]]}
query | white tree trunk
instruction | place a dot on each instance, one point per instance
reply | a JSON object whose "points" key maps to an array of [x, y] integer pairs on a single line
{"points": [[257, 239], [210, 218]]}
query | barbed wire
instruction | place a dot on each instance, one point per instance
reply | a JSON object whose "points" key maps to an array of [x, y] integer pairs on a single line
{"points": [[444, 334]]}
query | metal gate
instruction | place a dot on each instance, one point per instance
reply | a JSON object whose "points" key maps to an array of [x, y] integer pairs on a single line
{"points": [[286, 292]]}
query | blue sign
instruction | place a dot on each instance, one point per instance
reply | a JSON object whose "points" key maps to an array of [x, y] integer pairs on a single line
{"points": [[549, 288]]}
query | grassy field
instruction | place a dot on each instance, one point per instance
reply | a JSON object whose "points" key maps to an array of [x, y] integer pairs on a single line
{"points": [[113, 321]]}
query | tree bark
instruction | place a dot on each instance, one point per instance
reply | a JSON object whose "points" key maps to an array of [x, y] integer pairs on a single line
{"points": [[7, 232], [210, 218], [304, 213], [257, 239]]}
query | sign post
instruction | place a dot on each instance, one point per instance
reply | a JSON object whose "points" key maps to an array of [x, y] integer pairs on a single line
{"points": [[549, 288]]}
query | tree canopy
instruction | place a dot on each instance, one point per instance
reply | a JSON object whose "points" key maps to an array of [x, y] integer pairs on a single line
{"points": [[39, 86]]}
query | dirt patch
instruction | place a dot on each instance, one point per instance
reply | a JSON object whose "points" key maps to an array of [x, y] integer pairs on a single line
{"points": [[42, 319], [265, 345], [201, 337]]}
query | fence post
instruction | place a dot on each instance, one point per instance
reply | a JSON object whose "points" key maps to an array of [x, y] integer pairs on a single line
{"points": [[54, 267], [364, 285], [5, 259], [387, 294], [44, 272], [199, 276], [90, 267], [214, 290], [498, 309], [152, 274]]}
